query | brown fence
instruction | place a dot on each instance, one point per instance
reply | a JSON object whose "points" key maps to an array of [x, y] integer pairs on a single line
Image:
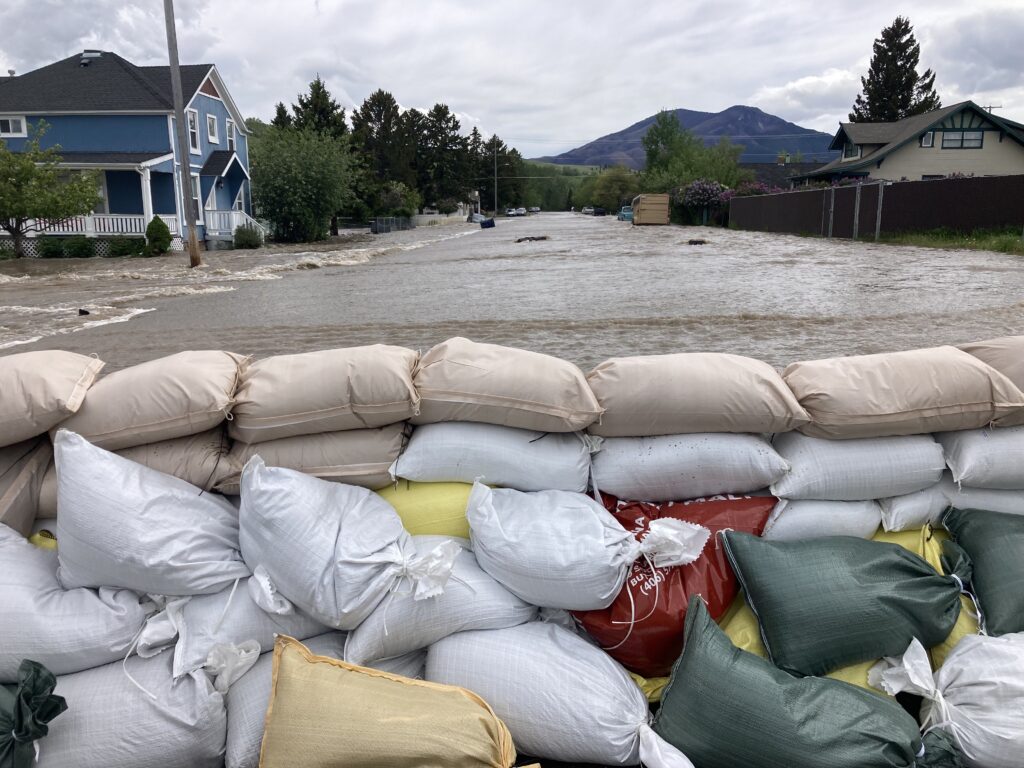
{"points": [[869, 209]]}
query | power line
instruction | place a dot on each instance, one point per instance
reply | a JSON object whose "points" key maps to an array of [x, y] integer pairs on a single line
{"points": [[639, 140]]}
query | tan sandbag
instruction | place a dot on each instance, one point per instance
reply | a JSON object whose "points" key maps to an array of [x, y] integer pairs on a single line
{"points": [[183, 394], [460, 380], [356, 457], [901, 393], [326, 713], [1006, 355], [22, 467], [326, 391], [38, 390], [689, 393]]}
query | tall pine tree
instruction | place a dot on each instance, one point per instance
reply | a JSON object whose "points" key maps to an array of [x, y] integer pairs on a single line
{"points": [[892, 89], [318, 111], [281, 117]]}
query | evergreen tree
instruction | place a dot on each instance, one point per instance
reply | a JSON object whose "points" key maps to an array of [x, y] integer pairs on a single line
{"points": [[892, 89], [376, 126], [318, 111], [443, 153], [281, 117]]}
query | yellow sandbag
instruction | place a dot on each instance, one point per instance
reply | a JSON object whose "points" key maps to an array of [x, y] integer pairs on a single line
{"points": [[652, 687], [326, 713], [430, 509], [43, 539]]}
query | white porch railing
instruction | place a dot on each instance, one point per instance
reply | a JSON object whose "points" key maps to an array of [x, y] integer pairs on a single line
{"points": [[226, 222], [104, 225]]}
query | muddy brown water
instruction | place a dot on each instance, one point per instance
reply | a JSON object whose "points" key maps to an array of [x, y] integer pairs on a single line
{"points": [[596, 288]]}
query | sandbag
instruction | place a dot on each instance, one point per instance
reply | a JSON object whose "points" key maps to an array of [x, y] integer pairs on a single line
{"points": [[977, 697], [915, 510], [26, 710], [901, 393], [430, 509], [174, 396], [125, 525], [1006, 355], [725, 708], [22, 469], [643, 627], [356, 457], [856, 470], [691, 392], [809, 519], [133, 715], [326, 712], [878, 597], [40, 390], [462, 380], [561, 697], [986, 458], [995, 543], [325, 391], [334, 550], [461, 452], [558, 549], [65, 630]]}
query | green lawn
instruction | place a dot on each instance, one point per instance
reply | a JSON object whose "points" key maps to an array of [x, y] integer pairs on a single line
{"points": [[1001, 240]]}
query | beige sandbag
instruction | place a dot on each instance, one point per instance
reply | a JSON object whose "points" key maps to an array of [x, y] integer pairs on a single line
{"points": [[460, 380], [689, 393], [356, 457], [22, 467], [325, 391], [38, 390], [325, 712], [1006, 355], [901, 393], [162, 399]]}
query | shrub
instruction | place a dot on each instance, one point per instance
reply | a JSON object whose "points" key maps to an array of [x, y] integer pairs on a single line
{"points": [[127, 246], [448, 205], [158, 237], [51, 247], [247, 237], [79, 247]]}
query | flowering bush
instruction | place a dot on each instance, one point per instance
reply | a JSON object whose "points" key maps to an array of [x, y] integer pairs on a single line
{"points": [[703, 193]]}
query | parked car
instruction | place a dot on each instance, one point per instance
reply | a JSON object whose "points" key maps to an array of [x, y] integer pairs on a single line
{"points": [[534, 209], [600, 212], [587, 209], [510, 211], [520, 211], [625, 213]]}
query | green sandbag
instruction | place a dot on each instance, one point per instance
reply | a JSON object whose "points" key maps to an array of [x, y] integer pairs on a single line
{"points": [[25, 711], [826, 603], [725, 708], [995, 543]]}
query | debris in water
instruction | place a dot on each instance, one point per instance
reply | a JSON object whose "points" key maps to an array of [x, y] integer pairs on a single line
{"points": [[532, 239], [307, 265], [82, 312], [698, 241]]}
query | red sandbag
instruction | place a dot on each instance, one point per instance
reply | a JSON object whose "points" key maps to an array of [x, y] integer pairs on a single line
{"points": [[660, 595]]}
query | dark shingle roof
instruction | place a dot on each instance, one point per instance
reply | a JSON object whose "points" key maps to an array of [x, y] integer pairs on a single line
{"points": [[109, 158], [108, 83], [217, 162]]}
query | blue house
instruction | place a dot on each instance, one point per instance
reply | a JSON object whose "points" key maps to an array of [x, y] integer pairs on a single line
{"points": [[111, 116]]}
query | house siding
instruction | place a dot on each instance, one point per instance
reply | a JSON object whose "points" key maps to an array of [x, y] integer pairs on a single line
{"points": [[912, 161], [101, 133], [124, 192]]}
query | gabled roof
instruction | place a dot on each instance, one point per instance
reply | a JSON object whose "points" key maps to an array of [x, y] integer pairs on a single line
{"points": [[219, 161]]}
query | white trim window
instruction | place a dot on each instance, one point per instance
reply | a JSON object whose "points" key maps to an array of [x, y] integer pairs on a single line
{"points": [[197, 195], [928, 139], [192, 118], [13, 127], [212, 131], [851, 151], [239, 204], [229, 130]]}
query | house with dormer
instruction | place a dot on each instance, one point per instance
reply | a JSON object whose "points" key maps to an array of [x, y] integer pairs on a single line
{"points": [[962, 139], [109, 115]]}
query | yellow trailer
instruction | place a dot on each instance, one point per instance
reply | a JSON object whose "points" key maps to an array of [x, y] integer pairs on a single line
{"points": [[650, 209]]}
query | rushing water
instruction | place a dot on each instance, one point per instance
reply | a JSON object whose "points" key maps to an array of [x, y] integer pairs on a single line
{"points": [[596, 288]]}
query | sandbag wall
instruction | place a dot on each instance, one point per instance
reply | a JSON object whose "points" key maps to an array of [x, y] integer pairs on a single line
{"points": [[554, 542]]}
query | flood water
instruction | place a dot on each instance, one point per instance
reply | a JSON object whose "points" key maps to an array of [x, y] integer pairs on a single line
{"points": [[597, 288]]}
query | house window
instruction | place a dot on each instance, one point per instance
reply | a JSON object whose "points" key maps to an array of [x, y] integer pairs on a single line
{"points": [[211, 129], [197, 196], [239, 202], [12, 127], [230, 131], [850, 151], [193, 131], [962, 139], [928, 139]]}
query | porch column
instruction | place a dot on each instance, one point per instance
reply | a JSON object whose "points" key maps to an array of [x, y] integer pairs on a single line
{"points": [[147, 195]]}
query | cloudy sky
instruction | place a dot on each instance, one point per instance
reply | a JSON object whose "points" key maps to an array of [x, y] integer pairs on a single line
{"points": [[545, 76]]}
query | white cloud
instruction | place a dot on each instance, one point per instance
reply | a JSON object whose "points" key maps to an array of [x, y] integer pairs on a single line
{"points": [[815, 101]]}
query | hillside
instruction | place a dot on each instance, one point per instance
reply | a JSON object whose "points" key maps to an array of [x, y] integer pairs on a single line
{"points": [[762, 136]]}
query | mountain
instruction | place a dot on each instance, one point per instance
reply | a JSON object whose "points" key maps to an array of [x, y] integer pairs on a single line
{"points": [[762, 135]]}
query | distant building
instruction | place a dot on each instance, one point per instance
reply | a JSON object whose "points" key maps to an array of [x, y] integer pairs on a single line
{"points": [[959, 139]]}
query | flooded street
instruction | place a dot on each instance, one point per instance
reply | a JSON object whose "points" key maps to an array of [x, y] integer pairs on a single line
{"points": [[597, 288]]}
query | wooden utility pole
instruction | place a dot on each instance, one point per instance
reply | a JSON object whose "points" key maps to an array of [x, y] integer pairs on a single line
{"points": [[188, 203]]}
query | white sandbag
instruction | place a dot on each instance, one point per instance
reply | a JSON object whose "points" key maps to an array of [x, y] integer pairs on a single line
{"points": [[977, 695], [125, 525], [1006, 355], [560, 697], [461, 452], [174, 396], [40, 390], [856, 470], [462, 380], [64, 630], [111, 722], [324, 391], [914, 510], [793, 520], [334, 550], [471, 600], [357, 457], [22, 470], [675, 467], [986, 458], [691, 393], [558, 549]]}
